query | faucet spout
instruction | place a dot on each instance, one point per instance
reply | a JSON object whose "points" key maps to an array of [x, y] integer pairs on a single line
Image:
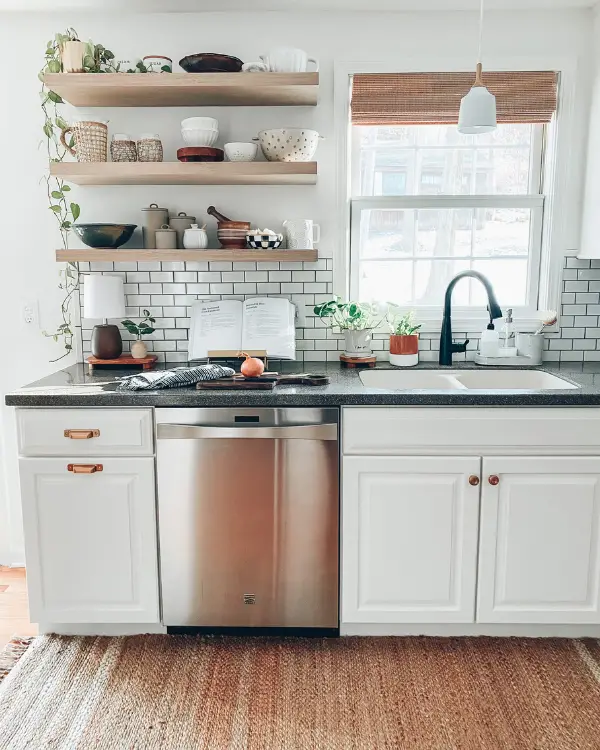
{"points": [[447, 347]]}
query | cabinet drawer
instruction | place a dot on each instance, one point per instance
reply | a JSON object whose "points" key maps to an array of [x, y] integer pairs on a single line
{"points": [[476, 430], [85, 432]]}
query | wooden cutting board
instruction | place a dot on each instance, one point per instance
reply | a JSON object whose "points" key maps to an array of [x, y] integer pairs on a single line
{"points": [[265, 382]]}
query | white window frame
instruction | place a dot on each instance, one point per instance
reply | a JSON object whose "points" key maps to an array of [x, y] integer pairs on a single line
{"points": [[563, 170], [534, 201]]}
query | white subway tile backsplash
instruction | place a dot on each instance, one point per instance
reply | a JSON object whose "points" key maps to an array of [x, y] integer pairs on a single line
{"points": [[169, 289]]}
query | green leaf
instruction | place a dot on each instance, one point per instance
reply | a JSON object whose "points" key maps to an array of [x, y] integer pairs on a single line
{"points": [[55, 97], [48, 129], [108, 54], [65, 188], [75, 211], [166, 69], [145, 313], [65, 225], [56, 209], [89, 61], [146, 330], [56, 194], [53, 66], [127, 322], [62, 124]]}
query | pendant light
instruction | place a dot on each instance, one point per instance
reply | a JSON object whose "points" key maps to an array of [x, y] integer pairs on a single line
{"points": [[477, 112]]}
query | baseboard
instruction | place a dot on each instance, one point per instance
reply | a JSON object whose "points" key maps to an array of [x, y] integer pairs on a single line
{"points": [[106, 628], [466, 629]]}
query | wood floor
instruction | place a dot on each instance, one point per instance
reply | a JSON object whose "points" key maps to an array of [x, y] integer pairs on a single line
{"points": [[14, 615]]}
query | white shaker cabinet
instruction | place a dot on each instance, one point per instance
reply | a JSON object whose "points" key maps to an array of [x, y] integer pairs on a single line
{"points": [[91, 542], [409, 539], [539, 558]]}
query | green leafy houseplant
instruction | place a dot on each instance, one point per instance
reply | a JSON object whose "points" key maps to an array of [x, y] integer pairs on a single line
{"points": [[143, 328], [97, 59], [349, 316], [402, 324]]}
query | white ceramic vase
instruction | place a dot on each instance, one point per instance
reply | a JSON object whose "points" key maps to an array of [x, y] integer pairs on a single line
{"points": [[358, 343], [139, 349]]}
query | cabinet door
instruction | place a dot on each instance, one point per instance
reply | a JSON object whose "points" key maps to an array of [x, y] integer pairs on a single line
{"points": [[538, 556], [90, 541], [409, 539]]}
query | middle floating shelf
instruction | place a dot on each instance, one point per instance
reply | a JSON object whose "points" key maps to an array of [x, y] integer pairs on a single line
{"points": [[143, 254], [182, 173]]}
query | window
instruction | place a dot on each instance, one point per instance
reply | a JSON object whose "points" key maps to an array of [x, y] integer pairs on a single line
{"points": [[429, 202]]}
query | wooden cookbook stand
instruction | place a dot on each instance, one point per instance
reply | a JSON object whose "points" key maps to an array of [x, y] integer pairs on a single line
{"points": [[233, 354]]}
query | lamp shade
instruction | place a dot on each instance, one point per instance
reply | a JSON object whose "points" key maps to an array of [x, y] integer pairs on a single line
{"points": [[477, 112], [103, 297]]}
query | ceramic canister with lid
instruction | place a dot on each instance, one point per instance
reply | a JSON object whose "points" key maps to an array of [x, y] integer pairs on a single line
{"points": [[195, 238], [154, 218], [166, 238], [180, 223]]}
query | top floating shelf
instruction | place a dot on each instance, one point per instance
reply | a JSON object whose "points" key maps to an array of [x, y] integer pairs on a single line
{"points": [[185, 89]]}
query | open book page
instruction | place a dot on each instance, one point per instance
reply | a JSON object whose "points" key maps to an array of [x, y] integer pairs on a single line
{"points": [[269, 324], [215, 325]]}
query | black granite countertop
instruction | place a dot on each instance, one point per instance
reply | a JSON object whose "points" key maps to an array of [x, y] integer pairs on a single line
{"points": [[75, 386]]}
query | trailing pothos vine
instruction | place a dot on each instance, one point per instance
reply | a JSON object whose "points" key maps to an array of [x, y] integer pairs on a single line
{"points": [[97, 59]]}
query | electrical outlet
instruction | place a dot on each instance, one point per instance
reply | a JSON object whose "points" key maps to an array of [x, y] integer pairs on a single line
{"points": [[300, 316], [30, 313]]}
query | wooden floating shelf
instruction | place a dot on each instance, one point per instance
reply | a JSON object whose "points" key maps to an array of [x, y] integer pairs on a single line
{"points": [[100, 254], [180, 173], [185, 89]]}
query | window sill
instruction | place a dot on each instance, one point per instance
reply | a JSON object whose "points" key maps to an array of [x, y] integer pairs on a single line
{"points": [[464, 324]]}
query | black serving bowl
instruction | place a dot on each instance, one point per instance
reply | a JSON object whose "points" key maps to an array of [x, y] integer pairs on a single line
{"points": [[104, 235], [210, 62]]}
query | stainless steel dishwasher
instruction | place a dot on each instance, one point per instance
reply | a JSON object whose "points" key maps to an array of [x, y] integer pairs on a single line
{"points": [[248, 507]]}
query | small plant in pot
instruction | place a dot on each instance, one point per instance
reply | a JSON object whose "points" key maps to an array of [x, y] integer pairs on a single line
{"points": [[356, 320], [404, 339], [139, 349]]}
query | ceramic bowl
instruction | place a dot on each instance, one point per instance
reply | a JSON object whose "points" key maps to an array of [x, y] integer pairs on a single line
{"points": [[210, 62], [108, 236], [288, 144], [199, 136], [264, 241], [200, 122], [241, 151]]}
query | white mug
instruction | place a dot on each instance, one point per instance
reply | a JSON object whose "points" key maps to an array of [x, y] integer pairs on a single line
{"points": [[301, 234], [288, 60]]}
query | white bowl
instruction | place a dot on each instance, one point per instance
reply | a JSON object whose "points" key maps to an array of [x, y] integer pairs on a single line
{"points": [[203, 123], [288, 144], [199, 136], [240, 151]]}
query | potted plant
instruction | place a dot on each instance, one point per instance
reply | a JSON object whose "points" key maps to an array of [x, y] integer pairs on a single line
{"points": [[71, 51], [404, 339], [139, 349], [356, 320]]}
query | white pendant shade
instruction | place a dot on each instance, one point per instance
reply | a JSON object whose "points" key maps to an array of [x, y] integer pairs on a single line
{"points": [[477, 112], [103, 297]]}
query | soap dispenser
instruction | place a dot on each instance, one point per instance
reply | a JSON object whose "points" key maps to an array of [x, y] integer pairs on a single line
{"points": [[489, 343], [507, 342]]}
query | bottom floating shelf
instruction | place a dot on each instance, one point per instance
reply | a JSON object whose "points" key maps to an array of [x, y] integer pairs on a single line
{"points": [[100, 254]]}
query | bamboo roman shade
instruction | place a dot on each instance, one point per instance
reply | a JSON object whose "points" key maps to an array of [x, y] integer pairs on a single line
{"points": [[434, 98]]}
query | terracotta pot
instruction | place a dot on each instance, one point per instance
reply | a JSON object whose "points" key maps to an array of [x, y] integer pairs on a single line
{"points": [[404, 350], [71, 56], [139, 349]]}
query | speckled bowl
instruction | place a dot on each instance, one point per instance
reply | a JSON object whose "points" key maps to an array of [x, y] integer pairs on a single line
{"points": [[109, 236]]}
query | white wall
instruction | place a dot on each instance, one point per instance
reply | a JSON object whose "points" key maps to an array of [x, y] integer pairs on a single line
{"points": [[29, 272]]}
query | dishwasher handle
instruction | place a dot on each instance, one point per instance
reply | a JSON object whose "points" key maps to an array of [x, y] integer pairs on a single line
{"points": [[300, 432]]}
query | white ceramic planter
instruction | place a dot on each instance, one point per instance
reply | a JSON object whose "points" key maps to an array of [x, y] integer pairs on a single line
{"points": [[358, 343], [139, 349]]}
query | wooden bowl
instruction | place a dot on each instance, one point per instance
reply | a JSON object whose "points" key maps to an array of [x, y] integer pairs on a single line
{"points": [[233, 225], [200, 153]]}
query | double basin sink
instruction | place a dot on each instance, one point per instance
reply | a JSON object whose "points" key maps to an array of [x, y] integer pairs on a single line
{"points": [[460, 380]]}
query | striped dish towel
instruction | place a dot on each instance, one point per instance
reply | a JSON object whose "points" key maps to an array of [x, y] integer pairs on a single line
{"points": [[175, 378]]}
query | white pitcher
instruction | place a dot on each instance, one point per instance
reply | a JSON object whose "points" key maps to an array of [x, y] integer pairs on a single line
{"points": [[288, 60], [301, 234]]}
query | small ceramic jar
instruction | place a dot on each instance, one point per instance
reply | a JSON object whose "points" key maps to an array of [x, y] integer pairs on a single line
{"points": [[166, 238], [195, 238], [122, 148], [149, 147], [139, 349]]}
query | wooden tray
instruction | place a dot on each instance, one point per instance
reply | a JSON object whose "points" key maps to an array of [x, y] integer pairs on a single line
{"points": [[235, 384], [125, 360], [357, 361]]}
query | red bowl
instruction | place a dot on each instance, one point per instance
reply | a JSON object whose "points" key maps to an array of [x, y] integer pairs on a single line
{"points": [[200, 153]]}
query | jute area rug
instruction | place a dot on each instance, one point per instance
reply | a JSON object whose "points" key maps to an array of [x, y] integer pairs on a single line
{"points": [[184, 693]]}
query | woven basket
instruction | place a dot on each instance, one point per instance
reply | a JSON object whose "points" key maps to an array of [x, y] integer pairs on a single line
{"points": [[91, 141], [123, 151], [149, 149]]}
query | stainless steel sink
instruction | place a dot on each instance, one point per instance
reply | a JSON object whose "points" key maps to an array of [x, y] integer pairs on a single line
{"points": [[450, 380]]}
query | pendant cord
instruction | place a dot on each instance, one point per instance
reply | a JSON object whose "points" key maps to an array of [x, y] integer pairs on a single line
{"points": [[480, 31]]}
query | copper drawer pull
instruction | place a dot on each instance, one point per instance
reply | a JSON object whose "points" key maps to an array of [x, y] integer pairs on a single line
{"points": [[473, 480], [494, 480], [82, 434], [84, 468]]}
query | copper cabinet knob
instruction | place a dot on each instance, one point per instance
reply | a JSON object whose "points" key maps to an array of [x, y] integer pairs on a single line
{"points": [[473, 480], [493, 479]]}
